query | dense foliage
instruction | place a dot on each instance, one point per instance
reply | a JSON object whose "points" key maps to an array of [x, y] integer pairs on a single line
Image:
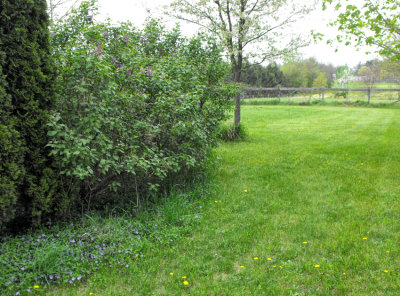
{"points": [[136, 108], [373, 23], [304, 73], [260, 76], [27, 182]]}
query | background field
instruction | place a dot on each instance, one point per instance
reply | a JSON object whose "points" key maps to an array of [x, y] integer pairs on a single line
{"points": [[321, 215]]}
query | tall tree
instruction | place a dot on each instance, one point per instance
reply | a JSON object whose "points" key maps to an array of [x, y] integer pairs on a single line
{"points": [[248, 29], [256, 30], [320, 81], [374, 23]]}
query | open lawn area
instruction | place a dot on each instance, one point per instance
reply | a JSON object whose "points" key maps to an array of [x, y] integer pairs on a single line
{"points": [[308, 204]]}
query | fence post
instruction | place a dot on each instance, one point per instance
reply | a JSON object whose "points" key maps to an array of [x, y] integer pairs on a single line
{"points": [[279, 95], [237, 109], [323, 99], [369, 94]]}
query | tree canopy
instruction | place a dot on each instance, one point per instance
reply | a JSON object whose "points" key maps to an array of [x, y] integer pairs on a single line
{"points": [[248, 29], [373, 23]]}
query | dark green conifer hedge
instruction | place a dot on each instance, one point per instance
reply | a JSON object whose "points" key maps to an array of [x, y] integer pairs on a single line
{"points": [[27, 182]]}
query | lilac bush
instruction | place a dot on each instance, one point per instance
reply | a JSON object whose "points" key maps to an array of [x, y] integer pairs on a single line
{"points": [[137, 108]]}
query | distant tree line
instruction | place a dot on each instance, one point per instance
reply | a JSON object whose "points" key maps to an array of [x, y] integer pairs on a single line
{"points": [[298, 73], [310, 73]]}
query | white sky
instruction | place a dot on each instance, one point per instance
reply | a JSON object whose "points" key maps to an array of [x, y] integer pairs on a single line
{"points": [[135, 12]]}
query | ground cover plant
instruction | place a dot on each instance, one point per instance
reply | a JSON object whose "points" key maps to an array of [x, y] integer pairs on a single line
{"points": [[307, 205], [69, 253]]}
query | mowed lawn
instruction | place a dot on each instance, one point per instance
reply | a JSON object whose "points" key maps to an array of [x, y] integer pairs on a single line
{"points": [[321, 215]]}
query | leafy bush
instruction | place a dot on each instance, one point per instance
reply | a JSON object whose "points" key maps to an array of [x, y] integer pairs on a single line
{"points": [[27, 183], [135, 108]]}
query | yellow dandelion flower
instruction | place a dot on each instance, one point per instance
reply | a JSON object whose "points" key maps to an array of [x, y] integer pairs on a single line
{"points": [[36, 287], [241, 266], [344, 273], [255, 258], [184, 277], [245, 190], [186, 283], [280, 267], [269, 259], [171, 273], [386, 270], [387, 252], [216, 201], [91, 293], [316, 265], [304, 243], [365, 238], [274, 266]]}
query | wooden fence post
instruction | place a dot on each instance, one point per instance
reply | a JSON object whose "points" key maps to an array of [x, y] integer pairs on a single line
{"points": [[323, 99], [279, 95], [237, 109], [369, 94]]}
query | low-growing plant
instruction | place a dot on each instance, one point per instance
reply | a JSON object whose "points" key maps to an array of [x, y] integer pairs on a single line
{"points": [[67, 254], [232, 132]]}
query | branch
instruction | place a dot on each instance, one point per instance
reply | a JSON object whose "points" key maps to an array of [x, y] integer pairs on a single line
{"points": [[270, 29], [252, 9], [194, 22]]}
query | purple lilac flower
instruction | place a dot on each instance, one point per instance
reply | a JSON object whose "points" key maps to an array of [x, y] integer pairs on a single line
{"points": [[148, 71], [98, 52], [129, 72]]}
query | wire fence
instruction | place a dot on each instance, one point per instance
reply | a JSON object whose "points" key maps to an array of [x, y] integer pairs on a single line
{"points": [[300, 96]]}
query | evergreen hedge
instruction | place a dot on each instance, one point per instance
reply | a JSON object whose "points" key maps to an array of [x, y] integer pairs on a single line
{"points": [[27, 180]]}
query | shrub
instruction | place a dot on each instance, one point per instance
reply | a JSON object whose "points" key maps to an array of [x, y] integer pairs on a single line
{"points": [[136, 107], [27, 183]]}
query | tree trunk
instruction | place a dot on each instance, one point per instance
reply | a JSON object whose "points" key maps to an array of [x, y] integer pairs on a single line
{"points": [[237, 72]]}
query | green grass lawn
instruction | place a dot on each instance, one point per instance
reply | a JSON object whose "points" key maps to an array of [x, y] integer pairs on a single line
{"points": [[309, 204]]}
